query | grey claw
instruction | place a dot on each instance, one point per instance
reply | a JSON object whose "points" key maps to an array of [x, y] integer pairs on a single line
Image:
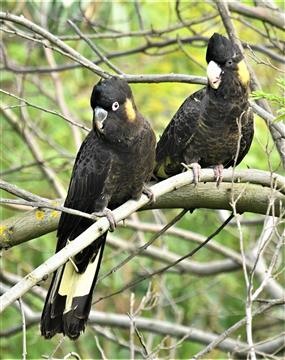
{"points": [[109, 215], [195, 167], [218, 171], [148, 192]]}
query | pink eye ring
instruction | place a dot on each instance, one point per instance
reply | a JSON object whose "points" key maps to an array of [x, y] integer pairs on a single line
{"points": [[115, 106]]}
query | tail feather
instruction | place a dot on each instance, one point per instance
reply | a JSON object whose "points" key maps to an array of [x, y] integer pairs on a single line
{"points": [[69, 299]]}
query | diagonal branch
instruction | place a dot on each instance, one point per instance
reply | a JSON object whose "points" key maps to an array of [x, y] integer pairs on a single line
{"points": [[87, 237]]}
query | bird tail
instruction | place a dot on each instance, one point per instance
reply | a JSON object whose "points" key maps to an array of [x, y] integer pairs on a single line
{"points": [[69, 298]]}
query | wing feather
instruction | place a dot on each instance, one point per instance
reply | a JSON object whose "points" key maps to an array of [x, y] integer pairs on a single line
{"points": [[91, 168], [182, 127]]}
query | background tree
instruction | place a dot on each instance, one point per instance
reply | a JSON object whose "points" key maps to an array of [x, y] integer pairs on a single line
{"points": [[149, 302]]}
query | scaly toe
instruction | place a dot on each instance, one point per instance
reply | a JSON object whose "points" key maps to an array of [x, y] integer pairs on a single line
{"points": [[109, 215], [218, 171], [195, 167], [148, 192]]}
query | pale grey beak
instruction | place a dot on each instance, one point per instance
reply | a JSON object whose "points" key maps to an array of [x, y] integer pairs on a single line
{"points": [[99, 117], [214, 74]]}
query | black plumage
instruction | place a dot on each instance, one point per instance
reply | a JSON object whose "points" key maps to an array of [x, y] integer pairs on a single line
{"points": [[214, 126], [112, 166]]}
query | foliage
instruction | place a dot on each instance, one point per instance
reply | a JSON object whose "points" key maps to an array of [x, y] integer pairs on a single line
{"points": [[277, 100]]}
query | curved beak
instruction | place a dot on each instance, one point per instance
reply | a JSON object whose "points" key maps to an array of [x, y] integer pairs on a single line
{"points": [[99, 117], [214, 74]]}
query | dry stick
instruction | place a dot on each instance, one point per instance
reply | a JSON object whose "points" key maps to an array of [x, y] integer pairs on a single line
{"points": [[24, 341], [45, 110], [131, 334], [24, 194], [142, 33], [165, 268], [48, 205], [103, 58], [103, 356], [60, 98], [248, 306]]}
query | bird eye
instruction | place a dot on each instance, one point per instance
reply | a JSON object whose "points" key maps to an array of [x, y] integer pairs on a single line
{"points": [[229, 62], [115, 106]]}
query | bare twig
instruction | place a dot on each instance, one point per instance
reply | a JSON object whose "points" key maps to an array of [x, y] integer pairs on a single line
{"points": [[44, 109]]}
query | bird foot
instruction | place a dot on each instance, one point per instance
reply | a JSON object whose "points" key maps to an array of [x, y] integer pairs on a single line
{"points": [[218, 171], [148, 192], [195, 167], [109, 215]]}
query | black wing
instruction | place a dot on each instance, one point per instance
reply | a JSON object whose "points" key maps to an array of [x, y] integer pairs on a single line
{"points": [[176, 136], [91, 168]]}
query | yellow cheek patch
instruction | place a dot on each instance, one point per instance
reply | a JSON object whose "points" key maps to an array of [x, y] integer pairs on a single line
{"points": [[130, 111], [243, 73]]}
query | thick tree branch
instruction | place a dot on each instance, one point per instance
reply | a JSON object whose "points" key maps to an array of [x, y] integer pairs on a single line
{"points": [[262, 192]]}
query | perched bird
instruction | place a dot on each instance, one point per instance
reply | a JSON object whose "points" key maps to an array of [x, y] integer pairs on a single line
{"points": [[214, 126], [112, 166]]}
